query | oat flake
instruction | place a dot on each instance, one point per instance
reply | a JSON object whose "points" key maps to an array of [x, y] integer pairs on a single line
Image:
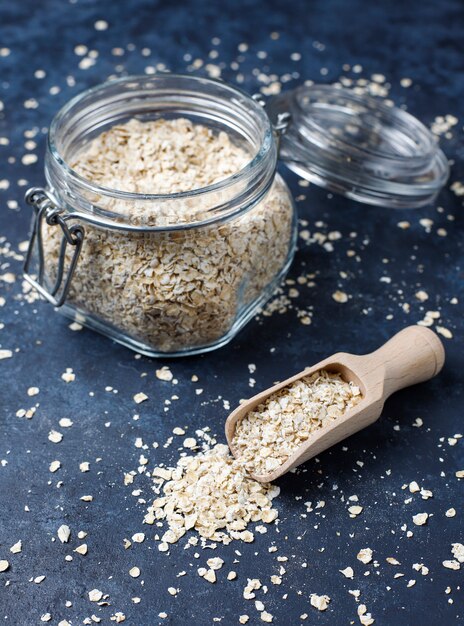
{"points": [[420, 519], [321, 603], [95, 595], [54, 466], [365, 555], [64, 532], [140, 397]]}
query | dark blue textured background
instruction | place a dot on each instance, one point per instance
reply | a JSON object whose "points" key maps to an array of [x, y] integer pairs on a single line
{"points": [[420, 40]]}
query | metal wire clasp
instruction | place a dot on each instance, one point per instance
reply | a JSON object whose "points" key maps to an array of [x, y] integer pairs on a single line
{"points": [[45, 208], [280, 124]]}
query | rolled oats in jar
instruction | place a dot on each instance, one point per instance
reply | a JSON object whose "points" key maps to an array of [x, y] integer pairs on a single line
{"points": [[164, 224]]}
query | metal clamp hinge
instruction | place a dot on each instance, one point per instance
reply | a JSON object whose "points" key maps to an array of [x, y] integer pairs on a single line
{"points": [[45, 208], [280, 124]]}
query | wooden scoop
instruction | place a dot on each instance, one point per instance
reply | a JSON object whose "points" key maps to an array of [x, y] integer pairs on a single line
{"points": [[412, 356]]}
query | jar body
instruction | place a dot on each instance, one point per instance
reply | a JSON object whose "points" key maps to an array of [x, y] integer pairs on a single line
{"points": [[165, 274], [179, 292]]}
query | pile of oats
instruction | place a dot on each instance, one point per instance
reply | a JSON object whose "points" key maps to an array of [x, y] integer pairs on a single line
{"points": [[211, 493], [175, 289], [267, 436]]}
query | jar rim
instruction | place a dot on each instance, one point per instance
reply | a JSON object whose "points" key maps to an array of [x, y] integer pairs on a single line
{"points": [[248, 170]]}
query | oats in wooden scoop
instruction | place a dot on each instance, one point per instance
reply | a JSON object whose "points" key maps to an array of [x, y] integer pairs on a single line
{"points": [[266, 436]]}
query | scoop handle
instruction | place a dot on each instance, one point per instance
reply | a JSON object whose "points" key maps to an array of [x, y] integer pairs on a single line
{"points": [[413, 355]]}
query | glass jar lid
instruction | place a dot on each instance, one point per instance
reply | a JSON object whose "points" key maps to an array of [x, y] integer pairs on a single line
{"points": [[357, 146]]}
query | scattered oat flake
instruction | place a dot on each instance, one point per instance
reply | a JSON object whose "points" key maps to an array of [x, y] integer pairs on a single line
{"points": [[266, 617], [450, 512], [68, 376], [39, 579], [134, 572], [404, 225], [458, 551], [33, 391], [5, 354], [420, 519], [64, 533], [422, 295], [215, 563], [54, 436], [17, 547], [95, 595], [355, 510], [190, 443], [452, 564], [4, 565], [65, 422], [340, 296], [29, 159], [321, 603], [444, 332], [140, 397], [365, 555], [364, 617], [54, 466], [8, 278], [164, 374], [347, 572], [82, 549], [210, 576], [100, 25]]}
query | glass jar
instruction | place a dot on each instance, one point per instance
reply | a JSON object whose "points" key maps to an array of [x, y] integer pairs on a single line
{"points": [[123, 263]]}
